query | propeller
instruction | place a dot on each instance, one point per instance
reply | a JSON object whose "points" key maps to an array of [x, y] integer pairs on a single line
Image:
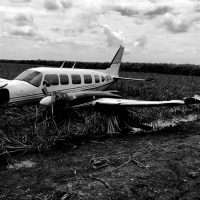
{"points": [[44, 88], [53, 95], [48, 100]]}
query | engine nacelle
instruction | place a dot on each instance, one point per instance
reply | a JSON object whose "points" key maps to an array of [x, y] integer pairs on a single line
{"points": [[4, 96]]}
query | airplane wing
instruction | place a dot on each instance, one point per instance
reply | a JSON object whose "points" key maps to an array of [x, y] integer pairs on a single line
{"points": [[77, 98], [108, 99], [94, 94], [135, 103]]}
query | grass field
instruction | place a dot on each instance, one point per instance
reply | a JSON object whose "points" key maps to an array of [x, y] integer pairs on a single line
{"points": [[165, 87], [155, 165]]}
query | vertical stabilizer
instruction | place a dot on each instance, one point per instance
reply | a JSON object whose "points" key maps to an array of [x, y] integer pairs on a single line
{"points": [[115, 64]]}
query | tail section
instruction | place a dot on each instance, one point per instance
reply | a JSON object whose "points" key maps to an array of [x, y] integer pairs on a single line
{"points": [[115, 64]]}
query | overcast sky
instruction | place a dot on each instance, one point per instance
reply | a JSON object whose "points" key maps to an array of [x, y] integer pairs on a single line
{"points": [[166, 31]]}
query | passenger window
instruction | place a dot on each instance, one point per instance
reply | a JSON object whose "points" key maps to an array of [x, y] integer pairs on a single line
{"points": [[97, 78], [102, 78], [64, 79], [87, 79], [76, 79], [52, 79]]}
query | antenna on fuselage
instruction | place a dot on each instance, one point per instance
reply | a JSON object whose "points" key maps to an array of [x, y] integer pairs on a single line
{"points": [[62, 65], [74, 65]]}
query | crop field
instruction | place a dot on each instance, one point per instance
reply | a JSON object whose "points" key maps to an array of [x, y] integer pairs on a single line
{"points": [[78, 158]]}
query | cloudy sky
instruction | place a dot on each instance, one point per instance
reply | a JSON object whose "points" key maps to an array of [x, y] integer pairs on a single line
{"points": [[166, 31]]}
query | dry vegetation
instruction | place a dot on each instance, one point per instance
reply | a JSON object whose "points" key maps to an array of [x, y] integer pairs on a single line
{"points": [[27, 129], [156, 165]]}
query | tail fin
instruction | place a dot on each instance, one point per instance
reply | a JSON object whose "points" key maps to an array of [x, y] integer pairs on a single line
{"points": [[115, 64]]}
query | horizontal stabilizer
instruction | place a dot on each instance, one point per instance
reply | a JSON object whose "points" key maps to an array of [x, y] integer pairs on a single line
{"points": [[133, 79]]}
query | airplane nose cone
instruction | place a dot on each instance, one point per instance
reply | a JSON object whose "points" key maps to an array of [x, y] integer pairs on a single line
{"points": [[46, 101]]}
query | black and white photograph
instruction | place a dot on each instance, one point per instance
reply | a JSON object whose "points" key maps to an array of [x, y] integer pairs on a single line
{"points": [[100, 99]]}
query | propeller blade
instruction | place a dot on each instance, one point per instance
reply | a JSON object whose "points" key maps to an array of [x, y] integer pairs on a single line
{"points": [[52, 102], [44, 90]]}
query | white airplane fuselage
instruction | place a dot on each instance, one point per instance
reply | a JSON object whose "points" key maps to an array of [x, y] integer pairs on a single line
{"points": [[27, 87]]}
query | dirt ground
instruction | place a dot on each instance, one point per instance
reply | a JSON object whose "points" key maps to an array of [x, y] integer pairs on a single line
{"points": [[159, 165]]}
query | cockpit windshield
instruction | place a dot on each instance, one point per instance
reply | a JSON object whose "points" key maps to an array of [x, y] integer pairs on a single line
{"points": [[30, 76]]}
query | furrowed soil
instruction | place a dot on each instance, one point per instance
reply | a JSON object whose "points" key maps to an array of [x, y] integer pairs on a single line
{"points": [[155, 165]]}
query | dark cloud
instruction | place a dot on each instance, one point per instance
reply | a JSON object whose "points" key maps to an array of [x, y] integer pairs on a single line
{"points": [[23, 32], [153, 1], [66, 4], [53, 5], [23, 19], [129, 12], [29, 33], [56, 29], [20, 1], [158, 11], [176, 25], [177, 28], [197, 8], [126, 11]]}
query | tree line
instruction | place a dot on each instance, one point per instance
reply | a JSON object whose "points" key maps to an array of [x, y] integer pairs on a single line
{"points": [[162, 68]]}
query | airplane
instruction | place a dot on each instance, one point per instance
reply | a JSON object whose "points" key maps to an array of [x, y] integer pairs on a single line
{"points": [[73, 87], [27, 87]]}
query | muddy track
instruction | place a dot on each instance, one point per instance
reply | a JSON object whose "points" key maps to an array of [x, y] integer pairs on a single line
{"points": [[159, 165]]}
